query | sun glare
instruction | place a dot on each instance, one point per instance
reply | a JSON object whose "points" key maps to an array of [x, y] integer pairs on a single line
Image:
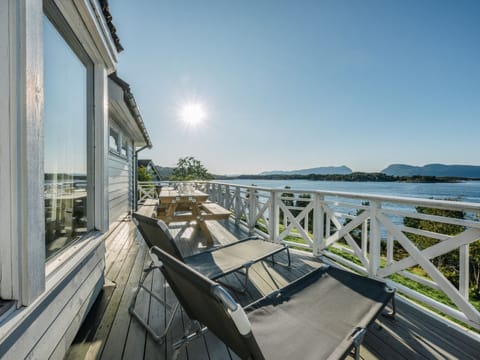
{"points": [[193, 113]]}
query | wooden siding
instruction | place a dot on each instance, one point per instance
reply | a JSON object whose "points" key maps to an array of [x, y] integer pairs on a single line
{"points": [[119, 186], [46, 328], [110, 333]]}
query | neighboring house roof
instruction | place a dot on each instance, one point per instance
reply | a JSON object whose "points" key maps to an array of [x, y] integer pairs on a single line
{"points": [[145, 163], [113, 30], [128, 99]]}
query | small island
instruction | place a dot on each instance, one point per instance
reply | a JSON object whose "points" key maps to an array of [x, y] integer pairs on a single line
{"points": [[353, 177]]}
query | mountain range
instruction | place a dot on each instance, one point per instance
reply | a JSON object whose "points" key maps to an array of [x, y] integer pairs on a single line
{"points": [[438, 170]]}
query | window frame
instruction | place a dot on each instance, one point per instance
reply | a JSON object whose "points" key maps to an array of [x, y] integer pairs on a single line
{"points": [[122, 139], [53, 14]]}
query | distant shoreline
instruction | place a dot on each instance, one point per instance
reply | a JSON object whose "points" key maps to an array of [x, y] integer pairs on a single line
{"points": [[356, 176]]}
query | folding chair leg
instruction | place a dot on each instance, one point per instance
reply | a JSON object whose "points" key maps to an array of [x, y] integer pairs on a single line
{"points": [[288, 264], [242, 289], [357, 342], [391, 315], [186, 339], [160, 338]]}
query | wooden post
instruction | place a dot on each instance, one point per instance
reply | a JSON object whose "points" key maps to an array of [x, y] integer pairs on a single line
{"points": [[365, 238], [390, 244], [237, 205], [318, 225], [101, 204], [464, 271], [251, 209], [375, 239], [274, 214]]}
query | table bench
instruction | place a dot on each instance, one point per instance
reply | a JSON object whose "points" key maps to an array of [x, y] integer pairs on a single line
{"points": [[214, 211]]}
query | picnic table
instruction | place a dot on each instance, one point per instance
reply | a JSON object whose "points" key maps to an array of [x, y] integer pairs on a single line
{"points": [[189, 205]]}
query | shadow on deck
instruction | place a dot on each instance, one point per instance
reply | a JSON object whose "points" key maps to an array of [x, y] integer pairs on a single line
{"points": [[109, 332]]}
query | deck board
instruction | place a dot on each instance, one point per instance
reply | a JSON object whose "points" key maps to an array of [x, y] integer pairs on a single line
{"points": [[109, 332]]}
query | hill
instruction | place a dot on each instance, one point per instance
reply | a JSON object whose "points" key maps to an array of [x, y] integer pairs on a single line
{"points": [[438, 170], [327, 170]]}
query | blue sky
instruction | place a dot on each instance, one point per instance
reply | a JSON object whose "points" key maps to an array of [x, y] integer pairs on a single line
{"points": [[297, 84]]}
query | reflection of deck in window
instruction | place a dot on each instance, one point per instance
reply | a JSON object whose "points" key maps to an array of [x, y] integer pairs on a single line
{"points": [[65, 209]]}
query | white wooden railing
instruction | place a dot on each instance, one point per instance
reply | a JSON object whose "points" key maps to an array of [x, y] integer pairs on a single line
{"points": [[149, 190], [362, 232]]}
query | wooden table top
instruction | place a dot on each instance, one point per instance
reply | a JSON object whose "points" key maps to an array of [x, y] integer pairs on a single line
{"points": [[171, 195]]}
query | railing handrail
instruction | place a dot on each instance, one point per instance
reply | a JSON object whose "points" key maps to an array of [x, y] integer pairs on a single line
{"points": [[434, 203]]}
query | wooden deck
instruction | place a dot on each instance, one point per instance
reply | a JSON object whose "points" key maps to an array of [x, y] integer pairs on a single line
{"points": [[110, 333]]}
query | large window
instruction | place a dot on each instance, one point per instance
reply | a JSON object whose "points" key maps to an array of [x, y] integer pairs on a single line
{"points": [[67, 178]]}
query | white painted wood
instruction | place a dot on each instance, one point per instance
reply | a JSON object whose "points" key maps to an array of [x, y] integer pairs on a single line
{"points": [[274, 214], [390, 245], [464, 276], [295, 223], [9, 284], [369, 251], [101, 146], [81, 17], [374, 259], [71, 314], [419, 279], [318, 225], [467, 308], [119, 111], [52, 312], [29, 159], [467, 237], [96, 24], [251, 209]]}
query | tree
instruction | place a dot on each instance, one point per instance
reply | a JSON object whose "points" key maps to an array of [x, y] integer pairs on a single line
{"points": [[143, 174], [189, 168]]}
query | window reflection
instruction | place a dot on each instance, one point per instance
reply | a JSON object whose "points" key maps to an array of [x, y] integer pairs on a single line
{"points": [[65, 142], [124, 147], [114, 140]]}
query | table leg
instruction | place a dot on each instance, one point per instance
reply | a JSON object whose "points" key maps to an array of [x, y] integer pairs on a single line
{"points": [[170, 212], [202, 225]]}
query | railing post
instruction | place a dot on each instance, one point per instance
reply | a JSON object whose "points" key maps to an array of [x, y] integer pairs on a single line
{"points": [[464, 277], [251, 209], [375, 238], [227, 203], [238, 205], [274, 214], [318, 224]]}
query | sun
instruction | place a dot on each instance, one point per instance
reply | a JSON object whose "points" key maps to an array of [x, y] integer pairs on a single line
{"points": [[193, 113]]}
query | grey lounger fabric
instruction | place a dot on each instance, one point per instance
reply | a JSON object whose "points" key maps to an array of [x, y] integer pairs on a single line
{"points": [[315, 317], [213, 263]]}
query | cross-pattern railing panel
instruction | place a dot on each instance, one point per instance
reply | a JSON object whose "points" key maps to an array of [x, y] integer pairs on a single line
{"points": [[428, 249]]}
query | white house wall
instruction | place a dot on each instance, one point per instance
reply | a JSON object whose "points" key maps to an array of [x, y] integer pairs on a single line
{"points": [[53, 297], [119, 186]]}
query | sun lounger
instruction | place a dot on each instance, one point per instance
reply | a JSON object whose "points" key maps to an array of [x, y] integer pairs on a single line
{"points": [[213, 263], [322, 315]]}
